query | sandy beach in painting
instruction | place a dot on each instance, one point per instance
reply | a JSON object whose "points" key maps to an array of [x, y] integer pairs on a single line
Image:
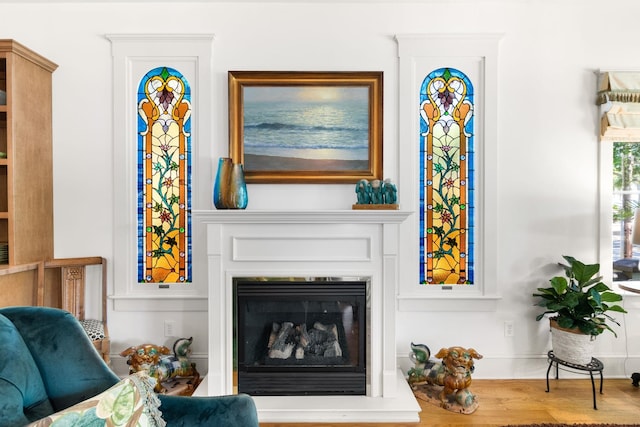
{"points": [[254, 162]]}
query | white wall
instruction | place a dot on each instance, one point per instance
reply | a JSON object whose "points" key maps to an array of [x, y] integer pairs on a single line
{"points": [[548, 153]]}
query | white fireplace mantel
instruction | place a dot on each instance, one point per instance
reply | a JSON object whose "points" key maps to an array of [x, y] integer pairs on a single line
{"points": [[356, 216], [309, 243]]}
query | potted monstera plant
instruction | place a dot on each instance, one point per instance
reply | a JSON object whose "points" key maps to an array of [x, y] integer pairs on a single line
{"points": [[578, 305]]}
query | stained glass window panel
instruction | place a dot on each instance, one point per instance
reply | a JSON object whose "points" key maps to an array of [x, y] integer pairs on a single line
{"points": [[446, 179], [164, 177]]}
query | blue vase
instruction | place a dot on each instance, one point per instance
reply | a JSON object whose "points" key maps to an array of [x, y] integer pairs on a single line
{"points": [[230, 188]]}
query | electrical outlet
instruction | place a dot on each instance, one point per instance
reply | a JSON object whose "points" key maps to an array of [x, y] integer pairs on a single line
{"points": [[169, 328], [508, 328]]}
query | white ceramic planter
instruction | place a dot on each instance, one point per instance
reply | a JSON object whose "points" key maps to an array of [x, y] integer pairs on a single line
{"points": [[571, 345]]}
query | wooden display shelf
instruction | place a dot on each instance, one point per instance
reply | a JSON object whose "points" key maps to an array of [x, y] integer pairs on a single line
{"points": [[26, 183], [13, 269], [181, 386], [376, 207]]}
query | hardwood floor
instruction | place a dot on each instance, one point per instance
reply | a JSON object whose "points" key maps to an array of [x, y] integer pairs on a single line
{"points": [[504, 402]]}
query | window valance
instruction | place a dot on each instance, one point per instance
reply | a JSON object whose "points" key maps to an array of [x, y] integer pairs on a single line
{"points": [[619, 101]]}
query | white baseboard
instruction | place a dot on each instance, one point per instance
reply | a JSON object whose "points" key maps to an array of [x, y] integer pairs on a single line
{"points": [[535, 367], [513, 367]]}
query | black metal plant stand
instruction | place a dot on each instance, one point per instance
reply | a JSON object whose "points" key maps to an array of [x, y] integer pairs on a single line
{"points": [[594, 366]]}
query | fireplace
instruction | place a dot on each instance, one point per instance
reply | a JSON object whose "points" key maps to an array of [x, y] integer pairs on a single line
{"points": [[305, 244], [300, 336]]}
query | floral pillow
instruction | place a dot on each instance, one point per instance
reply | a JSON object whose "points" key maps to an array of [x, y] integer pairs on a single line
{"points": [[130, 403]]}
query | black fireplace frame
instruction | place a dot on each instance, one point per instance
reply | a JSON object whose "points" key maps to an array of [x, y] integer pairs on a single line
{"points": [[277, 380]]}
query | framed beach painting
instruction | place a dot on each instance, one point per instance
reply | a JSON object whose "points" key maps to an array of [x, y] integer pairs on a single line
{"points": [[306, 127]]}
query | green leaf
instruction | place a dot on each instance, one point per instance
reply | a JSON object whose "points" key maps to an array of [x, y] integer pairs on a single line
{"points": [[565, 322], [617, 308], [584, 272], [610, 297], [559, 284], [571, 300], [555, 306], [595, 296], [601, 287], [542, 303], [548, 291]]}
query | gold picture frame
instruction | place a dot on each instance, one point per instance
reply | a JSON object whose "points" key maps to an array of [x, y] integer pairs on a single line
{"points": [[306, 127]]}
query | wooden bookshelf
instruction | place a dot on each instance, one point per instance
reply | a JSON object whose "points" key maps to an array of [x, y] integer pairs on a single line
{"points": [[26, 169]]}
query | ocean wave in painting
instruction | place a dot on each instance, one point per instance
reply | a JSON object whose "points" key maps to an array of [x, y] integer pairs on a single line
{"points": [[312, 130], [285, 126]]}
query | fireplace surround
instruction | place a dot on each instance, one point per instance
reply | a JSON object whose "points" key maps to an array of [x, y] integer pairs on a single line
{"points": [[308, 244]]}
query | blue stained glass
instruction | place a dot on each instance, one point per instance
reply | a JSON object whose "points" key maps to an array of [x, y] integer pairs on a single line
{"points": [[164, 177], [447, 181]]}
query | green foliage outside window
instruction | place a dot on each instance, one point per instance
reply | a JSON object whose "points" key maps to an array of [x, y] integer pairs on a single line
{"points": [[626, 182]]}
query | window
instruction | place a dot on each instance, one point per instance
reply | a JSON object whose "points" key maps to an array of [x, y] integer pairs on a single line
{"points": [[164, 177], [136, 59], [619, 100], [446, 178], [448, 101], [626, 200]]}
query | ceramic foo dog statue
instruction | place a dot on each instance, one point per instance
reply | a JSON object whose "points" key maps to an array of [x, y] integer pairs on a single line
{"points": [[160, 364], [447, 383]]}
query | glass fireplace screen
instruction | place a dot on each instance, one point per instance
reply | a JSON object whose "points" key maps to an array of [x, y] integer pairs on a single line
{"points": [[300, 337]]}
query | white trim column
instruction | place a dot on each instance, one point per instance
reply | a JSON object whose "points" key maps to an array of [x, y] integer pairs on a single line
{"points": [[133, 56]]}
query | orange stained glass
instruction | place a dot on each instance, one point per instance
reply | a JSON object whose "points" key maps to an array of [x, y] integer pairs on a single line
{"points": [[447, 179], [164, 177]]}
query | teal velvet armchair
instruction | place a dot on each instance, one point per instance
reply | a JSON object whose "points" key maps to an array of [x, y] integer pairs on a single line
{"points": [[48, 364]]}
